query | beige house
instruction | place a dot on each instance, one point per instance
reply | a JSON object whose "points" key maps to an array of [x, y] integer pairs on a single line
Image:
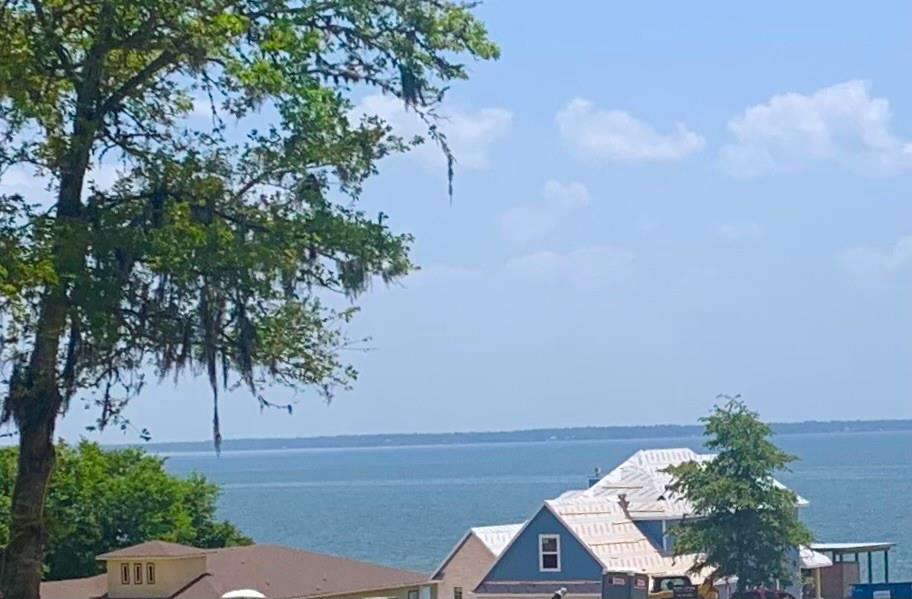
{"points": [[471, 559], [160, 570]]}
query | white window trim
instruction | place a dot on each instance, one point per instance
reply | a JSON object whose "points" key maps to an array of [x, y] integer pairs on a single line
{"points": [[541, 554]]}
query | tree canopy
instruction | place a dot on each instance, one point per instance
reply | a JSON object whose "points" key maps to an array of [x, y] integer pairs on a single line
{"points": [[744, 524], [102, 500], [216, 245]]}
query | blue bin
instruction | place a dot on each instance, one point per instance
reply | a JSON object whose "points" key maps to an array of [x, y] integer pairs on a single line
{"points": [[882, 590]]}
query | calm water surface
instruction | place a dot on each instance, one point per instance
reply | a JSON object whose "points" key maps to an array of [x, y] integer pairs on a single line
{"points": [[407, 506]]}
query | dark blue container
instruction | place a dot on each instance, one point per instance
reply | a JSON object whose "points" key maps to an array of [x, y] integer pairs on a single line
{"points": [[882, 590]]}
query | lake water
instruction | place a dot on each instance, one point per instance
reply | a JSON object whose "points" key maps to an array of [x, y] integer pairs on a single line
{"points": [[407, 506]]}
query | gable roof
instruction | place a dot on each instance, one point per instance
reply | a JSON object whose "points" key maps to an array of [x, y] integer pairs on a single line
{"points": [[549, 508], [596, 518], [150, 549], [75, 588], [278, 572], [614, 539], [282, 572], [644, 482], [494, 538]]}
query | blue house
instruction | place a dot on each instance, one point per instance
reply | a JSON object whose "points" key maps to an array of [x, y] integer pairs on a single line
{"points": [[621, 523]]}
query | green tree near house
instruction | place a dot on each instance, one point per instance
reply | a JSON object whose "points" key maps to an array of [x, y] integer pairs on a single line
{"points": [[102, 500], [214, 250], [744, 524]]}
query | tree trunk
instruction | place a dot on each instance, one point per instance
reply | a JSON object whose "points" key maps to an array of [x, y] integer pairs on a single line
{"points": [[24, 554], [35, 400], [34, 397]]}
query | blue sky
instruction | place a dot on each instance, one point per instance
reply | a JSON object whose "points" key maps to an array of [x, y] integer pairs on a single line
{"points": [[656, 202]]}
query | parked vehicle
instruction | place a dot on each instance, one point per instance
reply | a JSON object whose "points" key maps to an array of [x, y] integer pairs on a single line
{"points": [[663, 587], [680, 587]]}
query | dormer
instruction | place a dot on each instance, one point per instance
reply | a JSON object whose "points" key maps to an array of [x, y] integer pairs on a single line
{"points": [[156, 569]]}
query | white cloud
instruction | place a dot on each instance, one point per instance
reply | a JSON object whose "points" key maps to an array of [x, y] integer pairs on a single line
{"points": [[24, 181], [558, 201], [871, 260], [590, 267], [744, 231], [615, 135], [470, 135], [842, 124]]}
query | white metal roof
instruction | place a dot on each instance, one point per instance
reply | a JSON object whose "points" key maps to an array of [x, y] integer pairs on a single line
{"points": [[852, 547], [496, 538], [613, 539], [643, 481], [597, 519]]}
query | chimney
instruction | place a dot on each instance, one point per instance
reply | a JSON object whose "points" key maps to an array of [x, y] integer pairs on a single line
{"points": [[623, 502], [594, 478]]}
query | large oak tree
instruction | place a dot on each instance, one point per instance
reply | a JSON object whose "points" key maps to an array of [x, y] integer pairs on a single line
{"points": [[214, 246]]}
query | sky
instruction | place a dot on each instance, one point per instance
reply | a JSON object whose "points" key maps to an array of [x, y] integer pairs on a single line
{"points": [[654, 203]]}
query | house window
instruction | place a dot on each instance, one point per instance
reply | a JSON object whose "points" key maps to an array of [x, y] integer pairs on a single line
{"points": [[137, 573], [457, 592], [150, 573], [124, 573], [549, 553], [413, 594]]}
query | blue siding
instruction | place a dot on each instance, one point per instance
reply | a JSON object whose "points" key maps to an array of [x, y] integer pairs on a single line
{"points": [[652, 529], [520, 561]]}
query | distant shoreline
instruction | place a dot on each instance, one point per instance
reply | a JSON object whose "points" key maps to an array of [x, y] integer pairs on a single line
{"points": [[589, 433]]}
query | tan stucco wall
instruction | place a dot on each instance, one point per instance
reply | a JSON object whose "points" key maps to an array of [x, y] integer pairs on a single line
{"points": [[170, 575], [465, 569]]}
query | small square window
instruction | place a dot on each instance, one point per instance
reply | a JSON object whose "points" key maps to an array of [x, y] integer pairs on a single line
{"points": [[137, 573], [124, 573], [150, 573], [413, 594], [457, 592], [549, 561]]}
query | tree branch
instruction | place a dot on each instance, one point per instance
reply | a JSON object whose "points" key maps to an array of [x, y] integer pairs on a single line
{"points": [[146, 73], [59, 50]]}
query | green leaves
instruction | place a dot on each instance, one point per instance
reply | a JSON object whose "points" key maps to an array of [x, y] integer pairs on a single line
{"points": [[217, 248], [744, 524], [103, 500]]}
